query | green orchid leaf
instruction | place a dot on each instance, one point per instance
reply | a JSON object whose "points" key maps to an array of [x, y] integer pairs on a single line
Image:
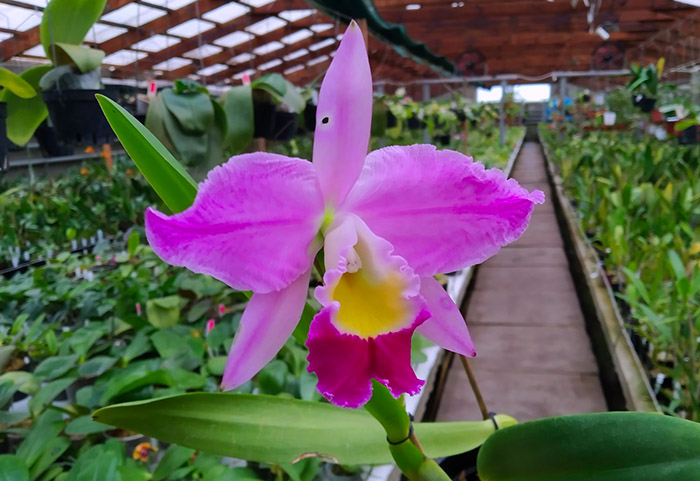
{"points": [[16, 84], [164, 311], [192, 110], [12, 468], [165, 174], [174, 457], [238, 105], [85, 59], [621, 446], [85, 425], [282, 90], [68, 21], [283, 429], [24, 115]]}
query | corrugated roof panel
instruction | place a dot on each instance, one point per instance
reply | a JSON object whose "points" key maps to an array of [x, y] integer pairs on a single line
{"points": [[134, 14]]}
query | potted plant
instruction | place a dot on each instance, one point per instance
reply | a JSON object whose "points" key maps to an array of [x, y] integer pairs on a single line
{"points": [[618, 102], [644, 85], [13, 86], [271, 122], [189, 122]]}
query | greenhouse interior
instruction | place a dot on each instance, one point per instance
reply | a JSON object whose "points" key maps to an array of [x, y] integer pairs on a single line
{"points": [[349, 240]]}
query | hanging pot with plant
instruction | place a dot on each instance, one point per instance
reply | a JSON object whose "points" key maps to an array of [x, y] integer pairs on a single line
{"points": [[269, 91], [69, 88]]}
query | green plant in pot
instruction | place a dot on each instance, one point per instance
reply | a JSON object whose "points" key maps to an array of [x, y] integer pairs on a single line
{"points": [[69, 88], [17, 87], [682, 121], [277, 104], [197, 128], [644, 85], [619, 102]]}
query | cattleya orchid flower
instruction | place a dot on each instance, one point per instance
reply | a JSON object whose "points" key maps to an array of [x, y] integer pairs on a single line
{"points": [[387, 222]]}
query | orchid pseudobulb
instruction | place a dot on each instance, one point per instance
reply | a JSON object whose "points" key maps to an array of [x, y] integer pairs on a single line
{"points": [[388, 222]]}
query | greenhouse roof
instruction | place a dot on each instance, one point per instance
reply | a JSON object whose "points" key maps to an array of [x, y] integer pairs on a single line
{"points": [[216, 41]]}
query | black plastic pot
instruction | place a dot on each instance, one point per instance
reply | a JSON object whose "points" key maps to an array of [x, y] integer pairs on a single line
{"points": [[4, 143], [442, 139], [78, 117], [646, 105], [461, 116], [264, 119], [391, 120], [310, 117], [689, 136], [50, 143], [414, 123], [636, 99], [286, 125], [461, 466]]}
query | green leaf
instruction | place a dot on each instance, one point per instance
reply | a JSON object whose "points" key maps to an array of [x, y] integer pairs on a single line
{"points": [[55, 366], [676, 265], [216, 365], [24, 115], [282, 90], [173, 458], [68, 21], [164, 311], [45, 429], [12, 468], [50, 453], [238, 105], [193, 111], [133, 243], [25, 382], [273, 377], [139, 345], [85, 425], [16, 84], [96, 366], [48, 393], [165, 174], [622, 446], [282, 429], [85, 59]]}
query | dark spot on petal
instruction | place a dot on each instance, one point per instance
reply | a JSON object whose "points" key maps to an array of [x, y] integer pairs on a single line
{"points": [[325, 120]]}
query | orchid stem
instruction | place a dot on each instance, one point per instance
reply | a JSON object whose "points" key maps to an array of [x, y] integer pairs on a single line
{"points": [[403, 442], [475, 387]]}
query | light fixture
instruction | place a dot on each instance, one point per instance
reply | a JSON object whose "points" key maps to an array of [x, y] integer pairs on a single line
{"points": [[694, 3], [602, 33], [413, 6]]}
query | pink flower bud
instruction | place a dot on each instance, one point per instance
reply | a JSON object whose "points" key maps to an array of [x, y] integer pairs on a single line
{"points": [[210, 325], [222, 310], [138, 308]]}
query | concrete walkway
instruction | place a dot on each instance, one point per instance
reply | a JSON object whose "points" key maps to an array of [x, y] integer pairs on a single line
{"points": [[534, 356]]}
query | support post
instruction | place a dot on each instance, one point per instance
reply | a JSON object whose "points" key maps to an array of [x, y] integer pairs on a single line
{"points": [[562, 98], [426, 97], [380, 91], [502, 116]]}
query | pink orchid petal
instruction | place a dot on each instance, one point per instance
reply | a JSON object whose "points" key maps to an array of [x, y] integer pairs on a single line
{"points": [[439, 209], [268, 321], [251, 224], [346, 364], [446, 326], [343, 117]]}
